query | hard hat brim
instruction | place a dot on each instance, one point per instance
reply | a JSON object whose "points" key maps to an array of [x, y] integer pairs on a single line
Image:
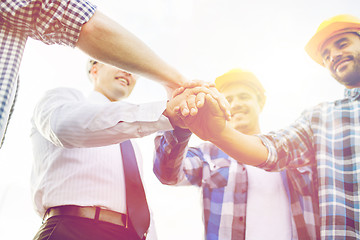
{"points": [[313, 47]]}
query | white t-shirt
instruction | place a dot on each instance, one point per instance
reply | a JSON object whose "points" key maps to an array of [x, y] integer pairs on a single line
{"points": [[268, 210]]}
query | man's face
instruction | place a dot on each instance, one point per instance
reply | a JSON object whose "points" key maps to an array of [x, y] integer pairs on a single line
{"points": [[245, 108], [114, 83], [341, 56]]}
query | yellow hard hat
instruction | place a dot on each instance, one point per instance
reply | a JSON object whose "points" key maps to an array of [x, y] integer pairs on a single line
{"points": [[329, 28], [237, 75]]}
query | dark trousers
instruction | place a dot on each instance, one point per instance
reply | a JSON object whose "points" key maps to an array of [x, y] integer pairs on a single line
{"points": [[77, 228]]}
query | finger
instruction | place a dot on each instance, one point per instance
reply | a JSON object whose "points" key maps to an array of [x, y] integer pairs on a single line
{"points": [[200, 99], [197, 83], [202, 83], [191, 84], [177, 91], [223, 103], [184, 110], [211, 84], [178, 112], [208, 84], [191, 103], [225, 107], [213, 105], [194, 83], [196, 90]]}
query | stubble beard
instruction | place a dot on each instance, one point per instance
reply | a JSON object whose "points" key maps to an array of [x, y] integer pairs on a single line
{"points": [[352, 78]]}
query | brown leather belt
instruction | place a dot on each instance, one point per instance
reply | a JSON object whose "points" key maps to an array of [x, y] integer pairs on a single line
{"points": [[95, 213]]}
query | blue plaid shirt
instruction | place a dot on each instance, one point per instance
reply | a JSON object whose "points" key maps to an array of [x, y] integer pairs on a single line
{"points": [[225, 185], [51, 22], [328, 138]]}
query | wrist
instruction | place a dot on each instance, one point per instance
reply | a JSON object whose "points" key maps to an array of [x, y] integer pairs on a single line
{"points": [[171, 114], [175, 80]]}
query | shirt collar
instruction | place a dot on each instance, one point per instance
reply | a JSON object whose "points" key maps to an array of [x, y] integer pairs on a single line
{"points": [[97, 97], [352, 93]]}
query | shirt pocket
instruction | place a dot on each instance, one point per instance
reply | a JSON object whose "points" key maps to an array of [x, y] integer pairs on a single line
{"points": [[216, 173]]}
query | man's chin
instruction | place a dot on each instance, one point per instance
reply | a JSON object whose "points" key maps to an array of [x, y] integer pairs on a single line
{"points": [[349, 80], [350, 76]]}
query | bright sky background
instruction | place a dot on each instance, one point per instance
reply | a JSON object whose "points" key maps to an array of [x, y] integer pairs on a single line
{"points": [[201, 38]]}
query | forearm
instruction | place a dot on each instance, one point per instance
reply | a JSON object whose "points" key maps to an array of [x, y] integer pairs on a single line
{"points": [[245, 149], [107, 41]]}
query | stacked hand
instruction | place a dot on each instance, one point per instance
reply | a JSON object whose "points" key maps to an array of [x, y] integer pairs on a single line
{"points": [[199, 107]]}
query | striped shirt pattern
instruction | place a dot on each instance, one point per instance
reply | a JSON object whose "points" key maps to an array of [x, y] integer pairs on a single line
{"points": [[77, 157], [327, 137], [52, 22], [225, 185]]}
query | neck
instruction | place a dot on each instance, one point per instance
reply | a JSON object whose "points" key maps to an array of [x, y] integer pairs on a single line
{"points": [[111, 99]]}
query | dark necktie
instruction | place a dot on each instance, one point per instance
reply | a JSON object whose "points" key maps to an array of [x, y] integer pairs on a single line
{"points": [[137, 206]]}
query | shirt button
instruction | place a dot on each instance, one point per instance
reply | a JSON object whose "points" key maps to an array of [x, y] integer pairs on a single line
{"points": [[241, 219]]}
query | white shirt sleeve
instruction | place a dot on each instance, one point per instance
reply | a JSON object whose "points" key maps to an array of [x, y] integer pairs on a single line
{"points": [[67, 119]]}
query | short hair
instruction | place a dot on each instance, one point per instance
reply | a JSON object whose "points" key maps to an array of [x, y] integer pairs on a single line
{"points": [[89, 65]]}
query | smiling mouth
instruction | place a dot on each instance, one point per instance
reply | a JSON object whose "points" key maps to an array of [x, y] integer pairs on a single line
{"points": [[238, 113], [339, 65], [123, 80]]}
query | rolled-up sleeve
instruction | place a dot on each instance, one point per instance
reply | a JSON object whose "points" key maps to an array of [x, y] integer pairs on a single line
{"points": [[52, 21], [289, 147]]}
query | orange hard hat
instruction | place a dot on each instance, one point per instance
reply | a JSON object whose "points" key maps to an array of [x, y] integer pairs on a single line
{"points": [[240, 76], [328, 29]]}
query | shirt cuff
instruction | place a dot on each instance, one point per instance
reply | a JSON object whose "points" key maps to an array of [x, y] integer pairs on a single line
{"points": [[181, 134], [272, 153], [122, 111]]}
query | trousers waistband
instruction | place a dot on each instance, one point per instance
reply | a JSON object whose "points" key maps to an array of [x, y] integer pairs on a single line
{"points": [[95, 213]]}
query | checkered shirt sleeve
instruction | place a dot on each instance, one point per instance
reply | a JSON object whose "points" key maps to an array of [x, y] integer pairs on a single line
{"points": [[290, 147], [170, 150], [51, 22]]}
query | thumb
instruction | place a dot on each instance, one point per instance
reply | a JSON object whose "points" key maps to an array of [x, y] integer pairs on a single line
{"points": [[213, 105]]}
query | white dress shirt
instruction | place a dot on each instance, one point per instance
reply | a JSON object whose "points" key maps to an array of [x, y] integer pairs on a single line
{"points": [[77, 158]]}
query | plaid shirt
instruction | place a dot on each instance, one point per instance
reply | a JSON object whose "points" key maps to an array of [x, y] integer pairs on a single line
{"points": [[225, 185], [328, 138], [51, 22]]}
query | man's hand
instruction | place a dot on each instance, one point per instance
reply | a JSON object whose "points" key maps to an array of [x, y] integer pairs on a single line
{"points": [[186, 103], [199, 100], [209, 122]]}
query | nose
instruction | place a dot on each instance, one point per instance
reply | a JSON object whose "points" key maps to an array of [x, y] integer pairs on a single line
{"points": [[128, 74], [236, 104], [132, 76], [124, 73], [335, 55]]}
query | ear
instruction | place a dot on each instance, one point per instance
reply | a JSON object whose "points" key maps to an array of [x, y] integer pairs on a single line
{"points": [[94, 71]]}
